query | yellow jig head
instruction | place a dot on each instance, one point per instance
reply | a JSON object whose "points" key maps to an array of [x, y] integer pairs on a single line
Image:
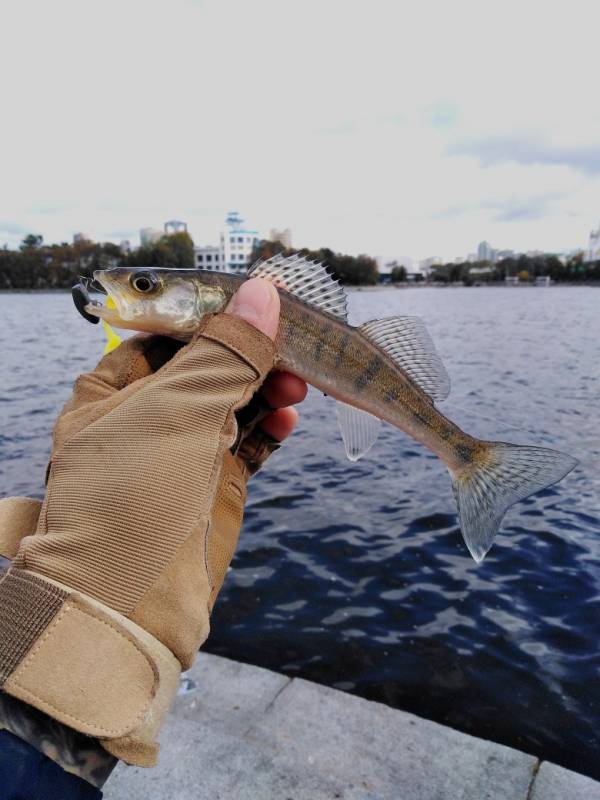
{"points": [[112, 339]]}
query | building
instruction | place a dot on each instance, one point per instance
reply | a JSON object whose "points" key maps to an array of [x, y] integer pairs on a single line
{"points": [[175, 226], [80, 238], [237, 243], [209, 258], [150, 236], [234, 252], [502, 254], [284, 236], [484, 251], [593, 249]]}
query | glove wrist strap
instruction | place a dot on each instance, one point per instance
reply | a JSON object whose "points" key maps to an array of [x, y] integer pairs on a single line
{"points": [[84, 664]]}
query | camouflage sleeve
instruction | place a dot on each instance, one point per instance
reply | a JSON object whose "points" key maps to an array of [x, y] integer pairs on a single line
{"points": [[73, 751]]}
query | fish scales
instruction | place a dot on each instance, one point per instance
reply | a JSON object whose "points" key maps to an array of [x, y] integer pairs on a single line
{"points": [[354, 366], [385, 391]]}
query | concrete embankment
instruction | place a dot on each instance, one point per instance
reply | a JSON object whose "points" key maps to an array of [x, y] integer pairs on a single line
{"points": [[245, 733]]}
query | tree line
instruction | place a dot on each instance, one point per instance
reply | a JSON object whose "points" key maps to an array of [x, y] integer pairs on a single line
{"points": [[59, 266], [525, 268], [36, 265], [349, 270]]}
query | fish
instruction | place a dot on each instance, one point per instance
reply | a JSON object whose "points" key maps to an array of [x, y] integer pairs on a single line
{"points": [[383, 370]]}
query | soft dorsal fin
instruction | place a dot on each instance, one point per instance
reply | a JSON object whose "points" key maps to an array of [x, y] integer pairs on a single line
{"points": [[407, 341], [307, 280]]}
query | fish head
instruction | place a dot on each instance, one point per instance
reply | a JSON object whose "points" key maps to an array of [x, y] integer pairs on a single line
{"points": [[164, 301]]}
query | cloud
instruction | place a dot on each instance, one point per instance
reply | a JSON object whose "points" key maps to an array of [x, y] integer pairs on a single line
{"points": [[443, 114], [13, 229], [507, 209], [341, 129], [527, 149]]}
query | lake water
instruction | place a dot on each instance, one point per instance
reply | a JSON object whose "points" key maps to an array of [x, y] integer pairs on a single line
{"points": [[355, 575]]}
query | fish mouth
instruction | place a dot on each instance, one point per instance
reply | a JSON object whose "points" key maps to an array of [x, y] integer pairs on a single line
{"points": [[90, 309]]}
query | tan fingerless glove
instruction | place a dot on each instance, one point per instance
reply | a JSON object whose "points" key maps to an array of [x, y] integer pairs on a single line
{"points": [[110, 598]]}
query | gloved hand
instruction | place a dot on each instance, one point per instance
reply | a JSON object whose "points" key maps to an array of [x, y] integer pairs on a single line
{"points": [[110, 598]]}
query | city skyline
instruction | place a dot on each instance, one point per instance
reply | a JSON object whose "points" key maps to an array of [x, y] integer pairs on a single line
{"points": [[413, 132], [483, 251]]}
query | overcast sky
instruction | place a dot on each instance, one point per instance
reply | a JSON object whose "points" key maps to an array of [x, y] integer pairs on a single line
{"points": [[386, 127]]}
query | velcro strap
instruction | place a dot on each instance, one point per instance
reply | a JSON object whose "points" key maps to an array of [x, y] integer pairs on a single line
{"points": [[18, 518], [66, 656]]}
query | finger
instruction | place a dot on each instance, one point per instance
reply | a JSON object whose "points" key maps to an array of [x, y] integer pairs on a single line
{"points": [[257, 301], [280, 423], [283, 389]]}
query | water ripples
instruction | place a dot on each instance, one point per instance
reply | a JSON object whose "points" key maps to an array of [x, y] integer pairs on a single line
{"points": [[355, 575]]}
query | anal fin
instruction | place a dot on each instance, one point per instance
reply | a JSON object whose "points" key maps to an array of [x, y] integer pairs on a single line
{"points": [[359, 430]]}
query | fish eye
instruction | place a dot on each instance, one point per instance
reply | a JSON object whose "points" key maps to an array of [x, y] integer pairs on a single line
{"points": [[144, 282]]}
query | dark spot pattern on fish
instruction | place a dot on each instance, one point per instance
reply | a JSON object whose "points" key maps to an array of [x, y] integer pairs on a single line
{"points": [[343, 346], [391, 396], [445, 432], [318, 350], [368, 375], [464, 452], [421, 418]]}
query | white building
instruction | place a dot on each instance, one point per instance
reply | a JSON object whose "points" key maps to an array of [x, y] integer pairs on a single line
{"points": [[284, 236], [593, 250], [150, 236], [209, 257], [234, 253]]}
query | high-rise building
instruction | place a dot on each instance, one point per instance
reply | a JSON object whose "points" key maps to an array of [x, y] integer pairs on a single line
{"points": [[484, 251], [284, 236], [234, 252], [593, 250]]}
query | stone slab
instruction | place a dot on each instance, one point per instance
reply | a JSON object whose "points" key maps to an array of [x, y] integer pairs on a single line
{"points": [[390, 753], [556, 783], [200, 762], [245, 733], [227, 693]]}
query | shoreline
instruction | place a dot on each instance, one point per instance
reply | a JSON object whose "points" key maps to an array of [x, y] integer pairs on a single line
{"points": [[373, 288]]}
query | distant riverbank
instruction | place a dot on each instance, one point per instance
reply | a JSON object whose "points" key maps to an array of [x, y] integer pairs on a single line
{"points": [[373, 288]]}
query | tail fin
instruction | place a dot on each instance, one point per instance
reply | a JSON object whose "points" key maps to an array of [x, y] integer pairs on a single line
{"points": [[501, 476]]}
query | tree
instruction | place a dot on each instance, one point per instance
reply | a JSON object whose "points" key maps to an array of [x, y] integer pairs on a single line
{"points": [[32, 241], [399, 274], [175, 250], [351, 270]]}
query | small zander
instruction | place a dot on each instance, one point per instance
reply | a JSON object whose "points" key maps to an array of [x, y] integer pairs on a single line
{"points": [[386, 369]]}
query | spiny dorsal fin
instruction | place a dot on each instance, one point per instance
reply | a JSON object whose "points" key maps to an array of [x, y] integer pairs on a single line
{"points": [[407, 341], [359, 430], [307, 280]]}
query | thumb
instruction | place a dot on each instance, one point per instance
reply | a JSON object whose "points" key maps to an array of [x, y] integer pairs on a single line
{"points": [[257, 302]]}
